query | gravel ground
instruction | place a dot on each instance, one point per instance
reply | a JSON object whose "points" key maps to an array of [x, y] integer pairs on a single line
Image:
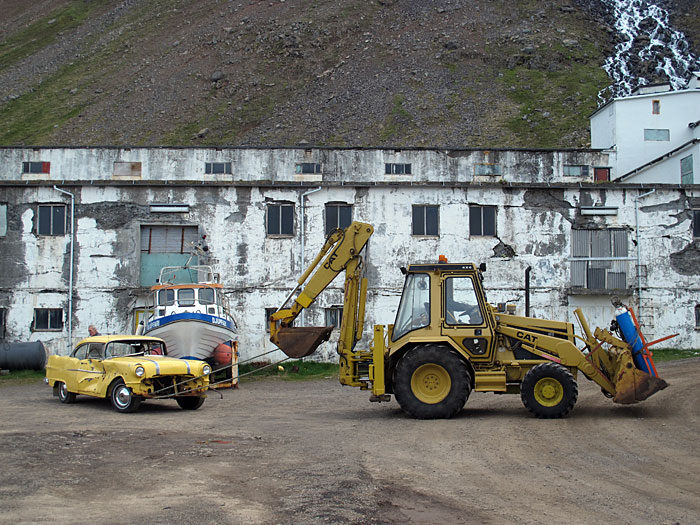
{"points": [[315, 452]]}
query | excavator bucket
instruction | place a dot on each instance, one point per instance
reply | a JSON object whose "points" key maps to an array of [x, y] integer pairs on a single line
{"points": [[633, 385], [298, 342]]}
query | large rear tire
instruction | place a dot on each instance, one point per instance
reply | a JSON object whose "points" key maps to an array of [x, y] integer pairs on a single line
{"points": [[549, 391], [431, 382], [123, 399], [64, 396]]}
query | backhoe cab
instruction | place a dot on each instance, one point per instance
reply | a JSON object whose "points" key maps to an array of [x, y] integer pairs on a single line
{"points": [[448, 341]]}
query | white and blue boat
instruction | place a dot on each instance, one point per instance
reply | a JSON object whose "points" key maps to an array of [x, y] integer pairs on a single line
{"points": [[193, 318]]}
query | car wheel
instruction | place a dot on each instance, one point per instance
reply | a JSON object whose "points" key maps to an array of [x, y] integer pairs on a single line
{"points": [[549, 391], [431, 382], [123, 399], [190, 402], [64, 396]]}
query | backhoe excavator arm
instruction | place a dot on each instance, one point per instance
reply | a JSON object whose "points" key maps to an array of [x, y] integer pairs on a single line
{"points": [[345, 247]]}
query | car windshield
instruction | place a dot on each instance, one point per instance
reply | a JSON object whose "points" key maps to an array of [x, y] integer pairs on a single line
{"points": [[127, 348]]}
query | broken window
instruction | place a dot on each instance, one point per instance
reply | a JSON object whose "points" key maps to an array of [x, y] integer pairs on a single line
{"points": [[216, 168], [482, 221], [334, 315], [307, 168], [392, 168], [425, 220], [696, 224], [575, 170], [48, 319], [657, 134], [337, 216], [280, 219], [52, 219], [687, 170], [600, 259], [487, 169], [36, 167]]}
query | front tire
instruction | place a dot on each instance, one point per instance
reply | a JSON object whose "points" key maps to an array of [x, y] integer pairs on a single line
{"points": [[64, 396], [549, 391], [431, 382], [190, 402], [123, 399]]}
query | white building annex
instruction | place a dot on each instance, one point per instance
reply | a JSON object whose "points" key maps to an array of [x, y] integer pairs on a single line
{"points": [[652, 135], [124, 212]]}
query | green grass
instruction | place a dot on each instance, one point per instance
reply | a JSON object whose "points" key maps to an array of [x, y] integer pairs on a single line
{"points": [[22, 377], [290, 370], [673, 354], [42, 33]]}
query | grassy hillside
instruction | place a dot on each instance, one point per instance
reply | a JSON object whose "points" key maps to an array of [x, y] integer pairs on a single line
{"points": [[281, 72]]}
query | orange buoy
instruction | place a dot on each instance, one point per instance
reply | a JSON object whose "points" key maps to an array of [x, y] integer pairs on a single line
{"points": [[223, 354]]}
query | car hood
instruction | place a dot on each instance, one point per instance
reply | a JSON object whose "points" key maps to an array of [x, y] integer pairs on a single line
{"points": [[160, 365]]}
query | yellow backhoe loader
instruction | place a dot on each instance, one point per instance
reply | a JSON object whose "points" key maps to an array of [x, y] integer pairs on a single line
{"points": [[448, 341]]}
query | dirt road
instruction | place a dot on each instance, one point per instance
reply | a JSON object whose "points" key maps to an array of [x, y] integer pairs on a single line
{"points": [[315, 452]]}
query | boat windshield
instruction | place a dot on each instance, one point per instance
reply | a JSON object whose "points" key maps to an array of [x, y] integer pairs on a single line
{"points": [[205, 295], [166, 297], [185, 297]]}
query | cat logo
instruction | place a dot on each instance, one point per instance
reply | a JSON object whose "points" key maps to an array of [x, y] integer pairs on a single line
{"points": [[526, 337]]}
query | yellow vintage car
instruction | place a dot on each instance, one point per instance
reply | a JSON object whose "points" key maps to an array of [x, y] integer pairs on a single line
{"points": [[127, 369]]}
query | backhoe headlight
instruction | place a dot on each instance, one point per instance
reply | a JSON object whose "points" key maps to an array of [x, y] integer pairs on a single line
{"points": [[206, 370], [139, 371]]}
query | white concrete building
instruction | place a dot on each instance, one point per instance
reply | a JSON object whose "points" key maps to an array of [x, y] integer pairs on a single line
{"points": [[652, 136], [124, 212]]}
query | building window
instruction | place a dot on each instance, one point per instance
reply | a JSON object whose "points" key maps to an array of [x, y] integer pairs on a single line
{"points": [[656, 107], [697, 316], [425, 220], [392, 168], [268, 313], [303, 168], [687, 170], [167, 246], [696, 224], [50, 319], [599, 259], [574, 170], [482, 221], [216, 168], [337, 216], [487, 169], [601, 174], [657, 134], [52, 219], [334, 315], [280, 219], [36, 167], [3, 220], [127, 169], [3, 323]]}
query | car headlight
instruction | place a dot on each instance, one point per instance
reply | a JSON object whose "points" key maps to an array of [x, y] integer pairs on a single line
{"points": [[139, 371], [206, 370]]}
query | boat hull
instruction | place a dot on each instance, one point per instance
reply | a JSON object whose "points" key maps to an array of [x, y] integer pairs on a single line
{"points": [[191, 334]]}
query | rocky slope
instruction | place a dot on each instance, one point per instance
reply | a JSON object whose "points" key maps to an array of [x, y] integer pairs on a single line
{"points": [[444, 73]]}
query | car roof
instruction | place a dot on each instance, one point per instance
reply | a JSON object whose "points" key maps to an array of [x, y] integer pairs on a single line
{"points": [[124, 337]]}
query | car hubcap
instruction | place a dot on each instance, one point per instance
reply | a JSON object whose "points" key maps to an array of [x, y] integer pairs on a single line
{"points": [[549, 392], [430, 383], [122, 396]]}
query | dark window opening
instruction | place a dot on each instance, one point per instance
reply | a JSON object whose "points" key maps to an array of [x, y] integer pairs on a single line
{"points": [[36, 167], [307, 168], [215, 168], [52, 220], [268, 313], [337, 216], [397, 169], [48, 319], [425, 220], [3, 314], [482, 221], [696, 223], [334, 315], [280, 219]]}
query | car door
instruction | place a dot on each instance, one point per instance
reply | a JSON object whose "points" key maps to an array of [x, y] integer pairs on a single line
{"points": [[90, 372]]}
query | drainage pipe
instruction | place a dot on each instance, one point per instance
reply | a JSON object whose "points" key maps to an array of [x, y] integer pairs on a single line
{"points": [[303, 214], [70, 278], [639, 251]]}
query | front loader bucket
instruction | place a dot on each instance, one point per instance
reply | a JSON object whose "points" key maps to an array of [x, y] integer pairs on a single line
{"points": [[298, 342], [633, 385]]}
